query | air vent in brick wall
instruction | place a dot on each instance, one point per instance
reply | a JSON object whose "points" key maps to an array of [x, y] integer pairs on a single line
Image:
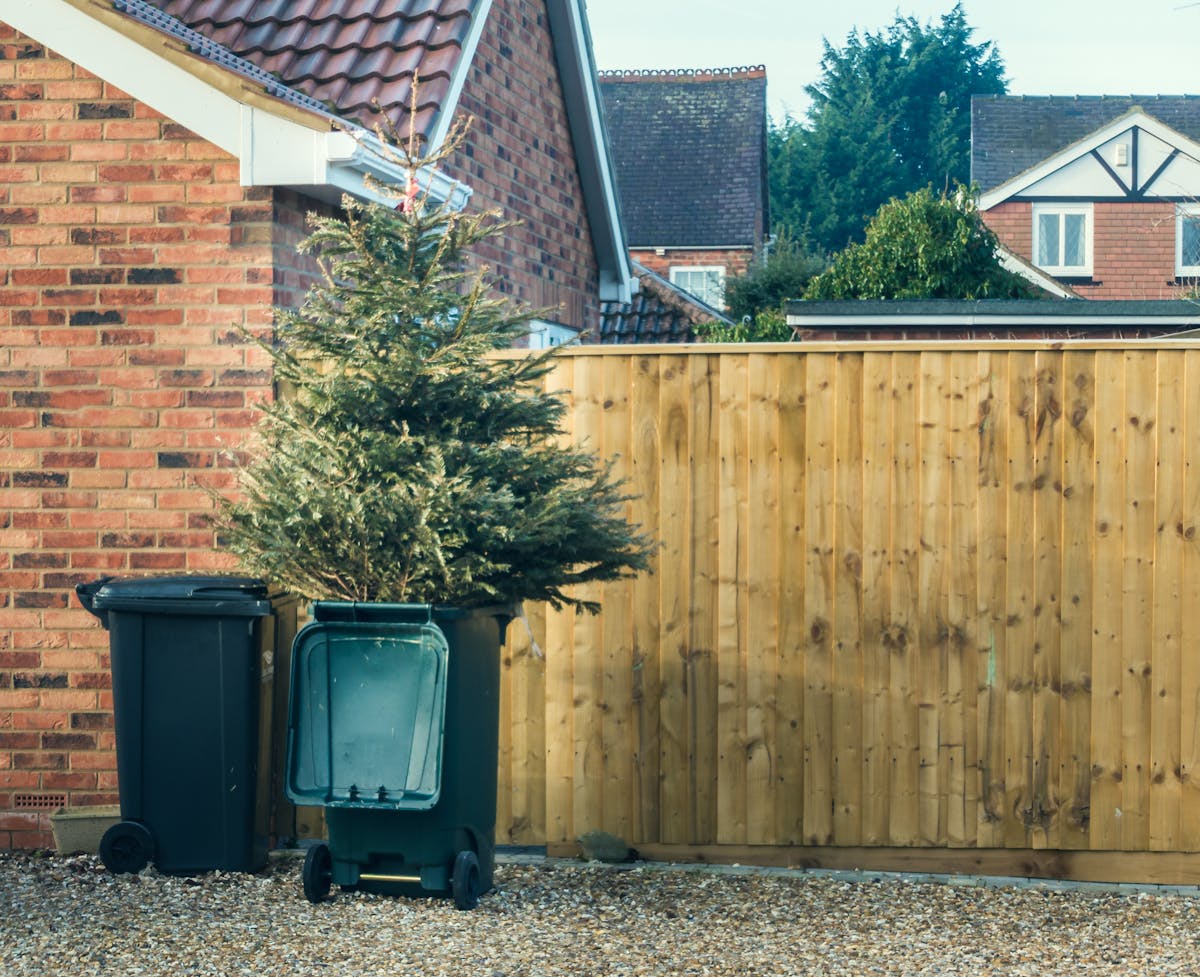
{"points": [[39, 802]]}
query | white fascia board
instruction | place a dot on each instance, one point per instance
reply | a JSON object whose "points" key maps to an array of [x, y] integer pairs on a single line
{"points": [[577, 70], [132, 67], [995, 319], [273, 150], [1131, 119]]}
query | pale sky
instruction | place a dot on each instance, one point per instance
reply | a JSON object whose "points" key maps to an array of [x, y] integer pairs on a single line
{"points": [[1049, 47]]}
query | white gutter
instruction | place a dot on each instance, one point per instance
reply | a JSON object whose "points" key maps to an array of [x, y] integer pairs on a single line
{"points": [[351, 157]]}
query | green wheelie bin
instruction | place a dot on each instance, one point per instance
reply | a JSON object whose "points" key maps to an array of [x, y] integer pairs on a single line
{"points": [[393, 728]]}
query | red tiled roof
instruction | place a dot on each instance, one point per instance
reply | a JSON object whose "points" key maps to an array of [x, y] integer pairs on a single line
{"points": [[344, 53]]}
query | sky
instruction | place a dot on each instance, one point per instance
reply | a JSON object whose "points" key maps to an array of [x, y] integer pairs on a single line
{"points": [[1049, 47]]}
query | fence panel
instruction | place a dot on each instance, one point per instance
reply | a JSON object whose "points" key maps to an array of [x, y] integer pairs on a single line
{"points": [[932, 597]]}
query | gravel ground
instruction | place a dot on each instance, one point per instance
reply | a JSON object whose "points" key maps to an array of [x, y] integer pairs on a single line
{"points": [[61, 917]]}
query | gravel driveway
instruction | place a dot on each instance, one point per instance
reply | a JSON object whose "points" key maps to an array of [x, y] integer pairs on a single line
{"points": [[61, 917]]}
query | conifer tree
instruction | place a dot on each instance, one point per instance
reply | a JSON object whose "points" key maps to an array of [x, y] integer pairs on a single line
{"points": [[404, 461]]}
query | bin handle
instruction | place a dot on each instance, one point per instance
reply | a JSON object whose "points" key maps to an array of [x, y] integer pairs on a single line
{"points": [[86, 592]]}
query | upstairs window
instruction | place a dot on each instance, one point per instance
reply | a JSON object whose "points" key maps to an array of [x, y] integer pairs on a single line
{"points": [[707, 282], [1062, 239], [1187, 241]]}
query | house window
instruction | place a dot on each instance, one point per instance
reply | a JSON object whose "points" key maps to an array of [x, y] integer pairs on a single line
{"points": [[1062, 239], [1187, 241], [707, 282]]}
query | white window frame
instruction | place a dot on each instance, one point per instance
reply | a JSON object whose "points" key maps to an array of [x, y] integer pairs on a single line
{"points": [[718, 270], [1185, 212], [1062, 210]]}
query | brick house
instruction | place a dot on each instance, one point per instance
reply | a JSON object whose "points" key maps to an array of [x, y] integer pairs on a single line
{"points": [[158, 161], [690, 152], [1100, 192]]}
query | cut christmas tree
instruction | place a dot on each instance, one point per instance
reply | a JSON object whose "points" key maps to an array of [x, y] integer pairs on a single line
{"points": [[406, 463]]}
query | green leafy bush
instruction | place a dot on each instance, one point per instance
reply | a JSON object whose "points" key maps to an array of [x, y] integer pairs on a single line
{"points": [[922, 247]]}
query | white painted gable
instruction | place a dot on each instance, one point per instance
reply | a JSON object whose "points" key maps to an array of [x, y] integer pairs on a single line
{"points": [[1134, 157]]}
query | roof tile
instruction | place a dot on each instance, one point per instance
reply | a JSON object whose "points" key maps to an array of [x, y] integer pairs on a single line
{"points": [[343, 52], [1011, 133], [689, 151]]}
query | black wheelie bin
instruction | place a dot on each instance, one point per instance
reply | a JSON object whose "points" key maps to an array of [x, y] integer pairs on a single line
{"points": [[188, 707]]}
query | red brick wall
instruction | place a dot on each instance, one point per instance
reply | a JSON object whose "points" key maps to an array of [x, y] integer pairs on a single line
{"points": [[1135, 251], [735, 261], [294, 273], [129, 255], [1134, 246], [519, 158], [1012, 223]]}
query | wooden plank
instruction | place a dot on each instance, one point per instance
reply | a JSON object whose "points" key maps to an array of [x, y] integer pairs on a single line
{"points": [[527, 804], [621, 781], [877, 504], [1078, 493], [504, 744], [961, 740], [674, 560], [1141, 868], [732, 618], [847, 605], [1020, 602], [1189, 668], [1167, 610], [1137, 616], [588, 782], [901, 631], [761, 659], [821, 413], [992, 408], [933, 599], [792, 631], [645, 592], [1107, 628], [559, 649], [1047, 520], [705, 376]]}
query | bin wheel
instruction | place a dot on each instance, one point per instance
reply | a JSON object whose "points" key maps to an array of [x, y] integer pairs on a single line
{"points": [[318, 873], [127, 846], [464, 881]]}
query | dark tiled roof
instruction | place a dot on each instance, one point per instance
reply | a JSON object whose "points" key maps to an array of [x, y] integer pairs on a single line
{"points": [[343, 53], [659, 313], [689, 149], [1011, 133]]}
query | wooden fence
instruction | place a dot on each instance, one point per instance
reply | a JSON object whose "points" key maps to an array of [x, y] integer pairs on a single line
{"points": [[944, 598]]}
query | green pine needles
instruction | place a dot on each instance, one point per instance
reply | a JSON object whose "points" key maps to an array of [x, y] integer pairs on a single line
{"points": [[404, 462]]}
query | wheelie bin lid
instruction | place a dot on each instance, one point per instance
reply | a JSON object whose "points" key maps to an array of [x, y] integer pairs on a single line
{"points": [[366, 716], [191, 594]]}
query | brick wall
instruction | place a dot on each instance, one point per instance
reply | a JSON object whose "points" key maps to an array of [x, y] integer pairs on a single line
{"points": [[129, 257], [735, 261], [1135, 251], [1134, 246], [519, 158]]}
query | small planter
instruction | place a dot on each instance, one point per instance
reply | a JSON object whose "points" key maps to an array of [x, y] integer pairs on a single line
{"points": [[79, 829]]}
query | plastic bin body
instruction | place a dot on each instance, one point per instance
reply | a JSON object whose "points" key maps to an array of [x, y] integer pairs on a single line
{"points": [[402, 842], [188, 691]]}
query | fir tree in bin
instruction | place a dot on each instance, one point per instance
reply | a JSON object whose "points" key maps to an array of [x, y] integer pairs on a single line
{"points": [[403, 461]]}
